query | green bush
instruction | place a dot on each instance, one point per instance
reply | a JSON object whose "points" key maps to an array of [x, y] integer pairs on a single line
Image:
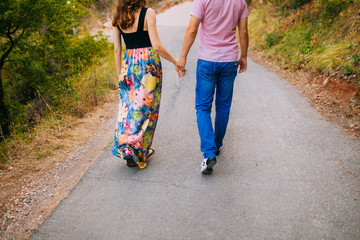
{"points": [[323, 36], [354, 66], [332, 8], [356, 59], [289, 3], [81, 52], [297, 3], [273, 38]]}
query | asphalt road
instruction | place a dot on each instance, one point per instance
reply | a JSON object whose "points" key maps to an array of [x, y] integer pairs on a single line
{"points": [[283, 173]]}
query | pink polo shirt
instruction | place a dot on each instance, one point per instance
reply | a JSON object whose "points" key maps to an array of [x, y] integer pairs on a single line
{"points": [[219, 19]]}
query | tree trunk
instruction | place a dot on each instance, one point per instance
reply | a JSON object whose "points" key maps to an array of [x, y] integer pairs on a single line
{"points": [[4, 114]]}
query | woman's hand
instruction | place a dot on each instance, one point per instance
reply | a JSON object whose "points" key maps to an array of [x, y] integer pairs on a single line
{"points": [[181, 71]]}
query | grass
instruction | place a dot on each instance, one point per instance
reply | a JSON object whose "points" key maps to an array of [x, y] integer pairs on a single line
{"points": [[303, 38], [91, 87], [260, 26], [56, 131], [330, 58]]}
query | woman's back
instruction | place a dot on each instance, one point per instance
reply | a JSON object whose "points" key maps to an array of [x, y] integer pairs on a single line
{"points": [[136, 36], [134, 27]]}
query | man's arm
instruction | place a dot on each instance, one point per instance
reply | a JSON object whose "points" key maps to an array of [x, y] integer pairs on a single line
{"points": [[189, 38], [244, 43]]}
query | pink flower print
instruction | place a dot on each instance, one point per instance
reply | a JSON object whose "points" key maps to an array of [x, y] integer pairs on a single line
{"points": [[137, 56], [126, 125], [139, 97], [136, 138], [127, 151]]}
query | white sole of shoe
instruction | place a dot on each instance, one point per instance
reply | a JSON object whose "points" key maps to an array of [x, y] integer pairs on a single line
{"points": [[207, 168]]}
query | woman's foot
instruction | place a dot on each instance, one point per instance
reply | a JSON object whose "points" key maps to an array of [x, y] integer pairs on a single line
{"points": [[130, 161], [151, 152]]}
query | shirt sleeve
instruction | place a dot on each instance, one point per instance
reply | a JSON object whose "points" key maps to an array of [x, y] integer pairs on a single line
{"points": [[198, 9], [244, 10]]}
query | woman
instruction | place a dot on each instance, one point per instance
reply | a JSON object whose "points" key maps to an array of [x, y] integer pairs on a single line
{"points": [[140, 79]]}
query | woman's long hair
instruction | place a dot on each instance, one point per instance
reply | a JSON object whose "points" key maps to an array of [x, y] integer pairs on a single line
{"points": [[125, 12]]}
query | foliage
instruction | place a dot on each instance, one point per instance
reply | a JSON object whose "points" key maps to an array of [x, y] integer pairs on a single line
{"points": [[85, 91], [329, 58], [297, 3], [289, 3], [103, 5], [323, 35], [261, 23], [40, 46], [353, 66], [332, 8], [273, 38]]}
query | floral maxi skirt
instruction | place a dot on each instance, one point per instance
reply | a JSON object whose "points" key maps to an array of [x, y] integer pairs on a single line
{"points": [[139, 102]]}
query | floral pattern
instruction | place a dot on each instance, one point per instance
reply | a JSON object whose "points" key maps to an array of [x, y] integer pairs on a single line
{"points": [[139, 102]]}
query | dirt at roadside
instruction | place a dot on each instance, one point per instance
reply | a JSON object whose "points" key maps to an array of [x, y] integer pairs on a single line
{"points": [[28, 197], [337, 100]]}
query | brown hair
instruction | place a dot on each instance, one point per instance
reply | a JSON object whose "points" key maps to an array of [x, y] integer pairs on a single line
{"points": [[125, 12]]}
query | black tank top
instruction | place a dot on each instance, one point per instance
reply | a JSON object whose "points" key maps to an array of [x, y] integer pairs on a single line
{"points": [[140, 38]]}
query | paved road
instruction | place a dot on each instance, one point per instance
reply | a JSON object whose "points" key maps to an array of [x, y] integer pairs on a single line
{"points": [[284, 172]]}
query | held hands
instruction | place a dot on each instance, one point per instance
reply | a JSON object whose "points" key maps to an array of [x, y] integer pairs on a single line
{"points": [[180, 67], [242, 64]]}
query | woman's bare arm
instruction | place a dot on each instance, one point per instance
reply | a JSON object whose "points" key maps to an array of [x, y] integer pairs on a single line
{"points": [[154, 37], [117, 50]]}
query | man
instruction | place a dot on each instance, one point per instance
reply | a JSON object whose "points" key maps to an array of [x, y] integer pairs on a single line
{"points": [[217, 66]]}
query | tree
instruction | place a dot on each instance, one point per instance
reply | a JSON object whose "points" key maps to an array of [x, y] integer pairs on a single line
{"points": [[30, 25]]}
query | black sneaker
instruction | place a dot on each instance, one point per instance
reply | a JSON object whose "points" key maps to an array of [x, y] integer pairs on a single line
{"points": [[207, 164], [130, 161]]}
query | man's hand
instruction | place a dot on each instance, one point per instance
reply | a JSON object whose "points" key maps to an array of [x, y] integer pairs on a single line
{"points": [[242, 65]]}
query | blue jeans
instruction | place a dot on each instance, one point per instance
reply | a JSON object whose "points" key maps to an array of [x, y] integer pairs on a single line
{"points": [[211, 76]]}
